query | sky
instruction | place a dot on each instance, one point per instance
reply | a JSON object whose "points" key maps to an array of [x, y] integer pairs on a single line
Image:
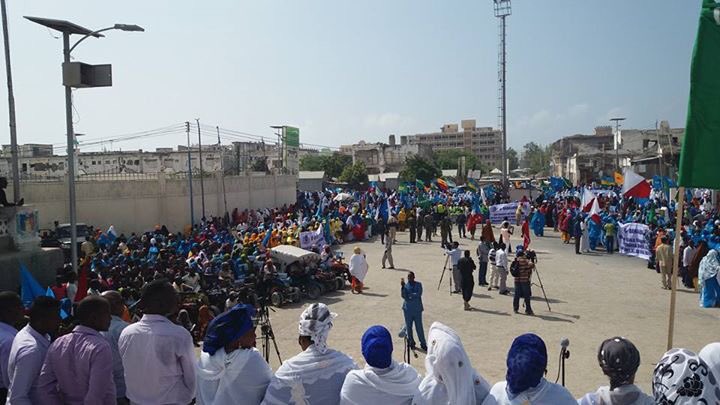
{"points": [[347, 71]]}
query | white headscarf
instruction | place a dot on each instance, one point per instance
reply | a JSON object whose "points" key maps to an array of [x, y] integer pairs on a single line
{"points": [[711, 355], [681, 378], [316, 322], [450, 377], [709, 266]]}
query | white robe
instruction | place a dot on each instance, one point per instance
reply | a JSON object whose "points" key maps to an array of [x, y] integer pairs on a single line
{"points": [[545, 393], [450, 378], [395, 385], [310, 378], [711, 355], [625, 395], [240, 377], [358, 266]]}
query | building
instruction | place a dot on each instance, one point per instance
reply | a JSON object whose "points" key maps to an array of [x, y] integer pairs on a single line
{"points": [[29, 150], [311, 180], [484, 142], [586, 158], [385, 157]]}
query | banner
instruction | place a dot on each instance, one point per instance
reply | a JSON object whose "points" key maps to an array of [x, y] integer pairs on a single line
{"points": [[499, 212], [312, 239], [633, 239]]}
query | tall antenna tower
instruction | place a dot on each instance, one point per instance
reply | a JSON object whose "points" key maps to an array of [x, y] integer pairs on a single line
{"points": [[502, 10]]}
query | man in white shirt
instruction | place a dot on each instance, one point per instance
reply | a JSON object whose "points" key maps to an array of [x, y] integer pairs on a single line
{"points": [[316, 375], [71, 286], [501, 263], [688, 254], [383, 380], [11, 313], [117, 325], [157, 355], [230, 369], [28, 351], [455, 254]]}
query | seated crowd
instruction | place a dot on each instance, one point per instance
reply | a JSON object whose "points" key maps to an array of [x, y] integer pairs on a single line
{"points": [[104, 360]]}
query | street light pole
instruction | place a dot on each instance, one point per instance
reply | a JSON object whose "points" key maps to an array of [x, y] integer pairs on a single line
{"points": [[67, 28], [11, 108], [617, 141], [202, 183], [70, 132]]}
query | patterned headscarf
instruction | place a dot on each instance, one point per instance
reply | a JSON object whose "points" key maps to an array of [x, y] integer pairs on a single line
{"points": [[526, 363], [316, 322], [228, 327], [681, 377], [619, 359]]}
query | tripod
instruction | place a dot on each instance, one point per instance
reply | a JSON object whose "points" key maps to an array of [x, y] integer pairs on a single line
{"points": [[542, 288], [447, 258], [267, 333]]}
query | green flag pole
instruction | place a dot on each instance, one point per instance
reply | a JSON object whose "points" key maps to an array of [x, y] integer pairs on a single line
{"points": [[673, 282]]}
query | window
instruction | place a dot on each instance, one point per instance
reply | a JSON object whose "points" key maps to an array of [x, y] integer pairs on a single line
{"points": [[137, 162]]}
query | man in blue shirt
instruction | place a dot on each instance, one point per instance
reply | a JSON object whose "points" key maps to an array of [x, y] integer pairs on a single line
{"points": [[412, 309]]}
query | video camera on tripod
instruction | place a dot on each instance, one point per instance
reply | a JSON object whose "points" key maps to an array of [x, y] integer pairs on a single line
{"points": [[262, 320]]}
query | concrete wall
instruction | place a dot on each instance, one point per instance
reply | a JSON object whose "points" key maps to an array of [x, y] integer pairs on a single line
{"points": [[139, 205]]}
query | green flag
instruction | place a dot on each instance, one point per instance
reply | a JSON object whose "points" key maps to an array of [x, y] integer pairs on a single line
{"points": [[699, 163]]}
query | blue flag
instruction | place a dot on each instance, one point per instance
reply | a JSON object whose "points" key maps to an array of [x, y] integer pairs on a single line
{"points": [[29, 287]]}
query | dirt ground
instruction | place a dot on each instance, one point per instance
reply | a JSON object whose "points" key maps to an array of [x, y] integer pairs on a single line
{"points": [[592, 296]]}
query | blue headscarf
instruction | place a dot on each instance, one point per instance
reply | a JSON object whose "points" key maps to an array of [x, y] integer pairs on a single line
{"points": [[377, 347], [228, 327], [526, 363]]}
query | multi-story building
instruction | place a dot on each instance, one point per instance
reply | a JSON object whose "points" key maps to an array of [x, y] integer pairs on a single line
{"points": [[384, 157], [584, 158], [484, 142]]}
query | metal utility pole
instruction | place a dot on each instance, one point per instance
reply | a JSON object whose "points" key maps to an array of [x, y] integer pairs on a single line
{"points": [[192, 204], [617, 142], [202, 183], [71, 158], [222, 169], [502, 11], [11, 108]]}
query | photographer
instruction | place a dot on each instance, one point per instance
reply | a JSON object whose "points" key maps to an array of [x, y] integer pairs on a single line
{"points": [[521, 270], [455, 254]]}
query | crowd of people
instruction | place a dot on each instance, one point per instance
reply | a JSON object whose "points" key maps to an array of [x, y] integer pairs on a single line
{"points": [[219, 269], [153, 361]]}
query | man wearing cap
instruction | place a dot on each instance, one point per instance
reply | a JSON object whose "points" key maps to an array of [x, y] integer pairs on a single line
{"points": [[316, 375], [522, 281], [230, 368], [383, 380]]}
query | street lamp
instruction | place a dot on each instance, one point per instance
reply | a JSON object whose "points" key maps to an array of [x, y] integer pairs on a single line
{"points": [[67, 28], [617, 141]]}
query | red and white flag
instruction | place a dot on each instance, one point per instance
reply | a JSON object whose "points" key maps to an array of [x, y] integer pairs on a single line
{"points": [[635, 185], [587, 200], [595, 211]]}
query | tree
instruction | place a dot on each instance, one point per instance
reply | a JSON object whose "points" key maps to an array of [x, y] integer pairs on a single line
{"points": [[354, 175], [312, 163], [417, 168], [512, 156], [260, 165], [536, 157], [334, 164], [448, 159]]}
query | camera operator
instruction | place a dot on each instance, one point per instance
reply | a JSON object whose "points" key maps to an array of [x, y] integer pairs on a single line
{"points": [[451, 249], [522, 272]]}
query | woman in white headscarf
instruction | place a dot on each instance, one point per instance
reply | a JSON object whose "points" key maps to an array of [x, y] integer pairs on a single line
{"points": [[708, 276], [450, 378], [316, 375], [358, 270], [711, 355], [683, 378]]}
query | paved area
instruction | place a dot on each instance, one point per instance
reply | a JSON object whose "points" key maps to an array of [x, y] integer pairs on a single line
{"points": [[592, 296]]}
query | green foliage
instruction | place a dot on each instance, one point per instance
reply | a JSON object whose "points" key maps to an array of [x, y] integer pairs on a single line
{"points": [[448, 159], [536, 157], [418, 168], [260, 165], [312, 163], [354, 175], [513, 159]]}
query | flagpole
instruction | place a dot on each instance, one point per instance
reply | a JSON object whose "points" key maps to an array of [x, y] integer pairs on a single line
{"points": [[679, 210]]}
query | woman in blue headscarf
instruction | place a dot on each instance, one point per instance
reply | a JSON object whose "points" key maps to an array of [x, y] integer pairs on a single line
{"points": [[230, 368], [525, 381], [594, 231], [538, 223]]}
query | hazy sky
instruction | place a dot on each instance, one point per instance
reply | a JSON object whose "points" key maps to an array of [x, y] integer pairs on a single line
{"points": [[349, 70]]}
